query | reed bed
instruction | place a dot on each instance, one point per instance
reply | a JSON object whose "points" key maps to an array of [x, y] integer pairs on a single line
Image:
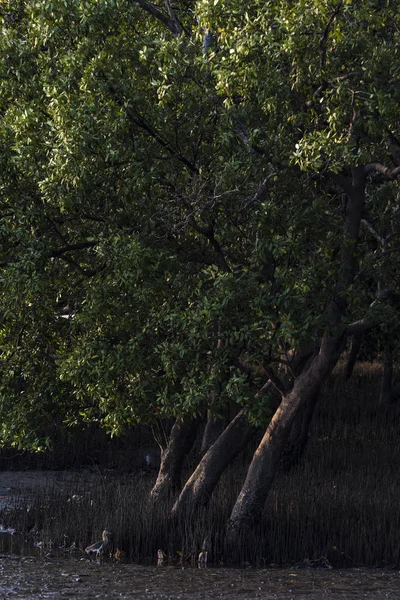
{"points": [[338, 507]]}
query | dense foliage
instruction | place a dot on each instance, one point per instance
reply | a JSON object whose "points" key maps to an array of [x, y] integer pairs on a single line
{"points": [[173, 190]]}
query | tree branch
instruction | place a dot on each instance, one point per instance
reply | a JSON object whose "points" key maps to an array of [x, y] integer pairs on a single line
{"points": [[277, 382], [140, 122], [85, 272], [250, 368], [362, 325], [376, 235], [208, 232], [170, 22], [173, 16], [379, 168], [266, 373], [72, 247], [325, 35], [366, 323], [60, 252]]}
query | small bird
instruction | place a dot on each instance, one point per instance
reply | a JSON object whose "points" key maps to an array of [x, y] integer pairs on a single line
{"points": [[161, 558], [202, 560], [101, 547], [120, 555]]}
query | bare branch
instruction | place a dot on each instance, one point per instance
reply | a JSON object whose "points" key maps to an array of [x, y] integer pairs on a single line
{"points": [[173, 16], [362, 325], [379, 168], [376, 235], [276, 382]]}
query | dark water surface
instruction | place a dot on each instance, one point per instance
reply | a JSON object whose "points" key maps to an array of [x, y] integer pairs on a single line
{"points": [[29, 578]]}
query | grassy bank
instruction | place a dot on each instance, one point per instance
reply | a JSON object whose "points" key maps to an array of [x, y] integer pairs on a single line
{"points": [[339, 506]]}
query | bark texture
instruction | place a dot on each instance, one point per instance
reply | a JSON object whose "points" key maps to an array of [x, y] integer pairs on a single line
{"points": [[199, 487], [213, 429], [181, 439], [298, 435]]}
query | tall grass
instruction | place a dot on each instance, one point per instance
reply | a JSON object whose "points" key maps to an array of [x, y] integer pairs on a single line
{"points": [[338, 506]]}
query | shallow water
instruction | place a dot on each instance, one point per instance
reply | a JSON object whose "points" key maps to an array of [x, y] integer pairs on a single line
{"points": [[28, 578]]}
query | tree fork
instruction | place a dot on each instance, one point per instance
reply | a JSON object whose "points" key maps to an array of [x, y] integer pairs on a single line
{"points": [[262, 470], [199, 487], [181, 439]]}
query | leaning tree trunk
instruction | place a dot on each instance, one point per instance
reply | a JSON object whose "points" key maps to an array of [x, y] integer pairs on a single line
{"points": [[387, 394], [261, 473], [215, 425], [200, 485], [181, 439], [298, 436], [213, 429]]}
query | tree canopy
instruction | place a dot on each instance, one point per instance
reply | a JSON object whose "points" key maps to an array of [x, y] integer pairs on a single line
{"points": [[174, 181]]}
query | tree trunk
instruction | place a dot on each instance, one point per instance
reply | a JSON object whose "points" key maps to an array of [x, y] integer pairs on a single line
{"points": [[213, 429], [387, 394], [353, 355], [181, 439], [200, 485], [215, 425], [298, 435], [261, 473]]}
